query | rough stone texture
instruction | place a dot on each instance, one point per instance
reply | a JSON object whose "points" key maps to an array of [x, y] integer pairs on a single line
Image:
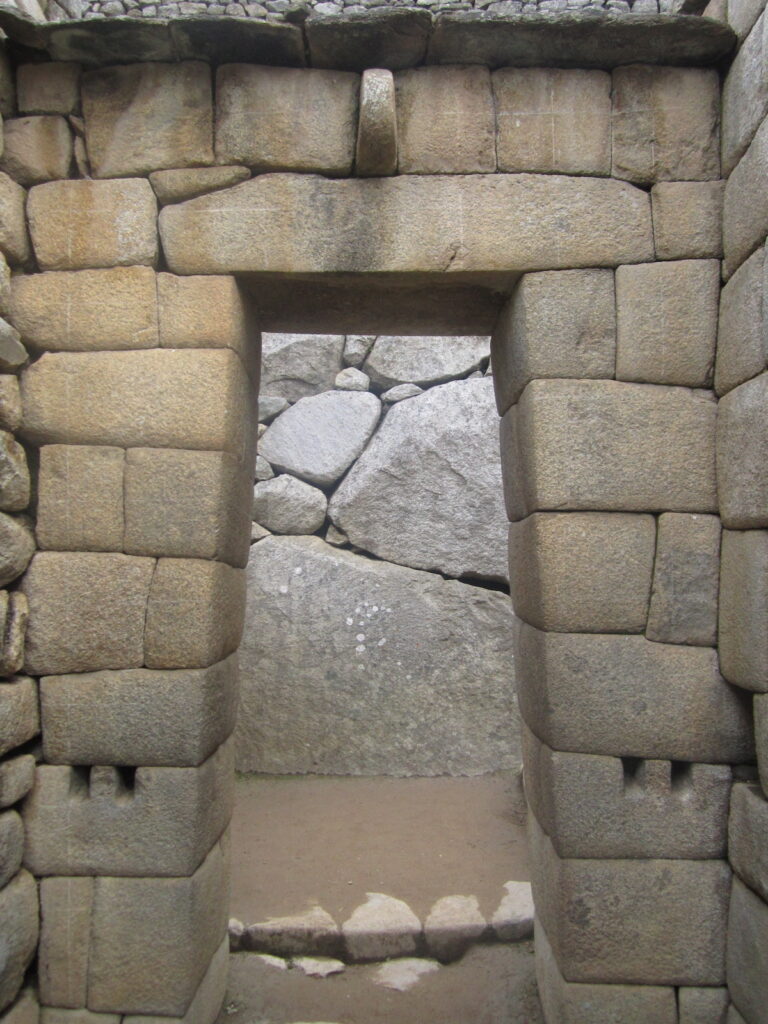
{"points": [[36, 149], [748, 952], [747, 827], [381, 928], [445, 120], [180, 184], [195, 613], [688, 219], [745, 210], [277, 119], [320, 437], [80, 498], [609, 445], [7, 85], [352, 379], [356, 348], [5, 286], [14, 475], [19, 715], [741, 336], [25, 1010], [314, 931], [402, 391], [551, 120], [294, 366], [436, 453], [625, 696], [512, 920], [13, 355], [388, 691], [452, 925], [145, 117], [645, 922], [17, 545], [14, 238], [587, 572], [287, 505], [55, 1015], [745, 96], [742, 14], [52, 88], [510, 223], [743, 642], [86, 611], [666, 322], [16, 777], [65, 912], [208, 999], [14, 615], [376, 148], [557, 324], [10, 403], [665, 124], [403, 973], [269, 408], [761, 739], [381, 38], [11, 845], [683, 606], [703, 1005], [19, 927], [423, 360], [742, 462], [138, 716]]}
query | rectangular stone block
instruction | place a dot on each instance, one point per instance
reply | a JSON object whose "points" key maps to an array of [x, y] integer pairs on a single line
{"points": [[553, 120], [747, 829], [51, 88], [560, 323], [19, 715], [742, 455], [19, 928], [87, 611], [686, 575], [79, 225], [600, 807], [703, 1005], [206, 1002], [14, 237], [16, 777], [625, 696], [688, 219], [745, 95], [80, 498], [286, 119], [666, 322], [744, 609], [745, 210], [37, 149], [742, 333], [748, 952], [609, 445], [83, 310], [65, 924], [445, 120], [582, 572], [636, 922], [142, 117]]}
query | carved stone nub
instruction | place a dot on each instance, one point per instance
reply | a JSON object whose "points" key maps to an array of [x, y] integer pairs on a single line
{"points": [[376, 153]]}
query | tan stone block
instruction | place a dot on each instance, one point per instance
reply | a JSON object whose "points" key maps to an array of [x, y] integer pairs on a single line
{"points": [[688, 219], [158, 399], [51, 88], [195, 613], [16, 777], [139, 716], [276, 119], [80, 225], [86, 611], [26, 1009], [748, 952], [376, 147], [665, 123], [742, 332], [56, 1015], [65, 927], [745, 95], [625, 696], [14, 474], [19, 928], [11, 845], [82, 310], [208, 999], [742, 455], [743, 639], [609, 445], [747, 828], [445, 120], [553, 120], [142, 117], [187, 504], [703, 1005], [19, 715], [560, 323], [10, 403], [745, 209], [14, 237], [37, 149], [175, 186], [582, 571], [80, 498], [17, 545]]}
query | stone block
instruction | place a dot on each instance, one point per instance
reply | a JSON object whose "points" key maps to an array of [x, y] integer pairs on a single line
{"points": [[87, 611], [14, 475], [381, 928], [761, 738], [745, 209], [19, 928], [665, 124], [195, 613], [179, 184], [734, 1017], [742, 455], [748, 952], [743, 608], [206, 1002], [742, 332], [558, 323], [138, 716], [14, 237], [609, 445], [688, 219], [19, 715], [17, 545], [14, 612], [8, 85], [702, 1005], [666, 321], [80, 498], [553, 120], [13, 355], [81, 225], [313, 932], [65, 924], [56, 1015], [5, 286], [632, 922], [16, 777], [686, 575], [296, 366], [142, 117], [52, 88], [625, 696], [158, 399], [582, 572], [84, 310], [376, 146], [609, 807], [37, 149], [26, 1009], [445, 120], [11, 845], [747, 829], [281, 119], [745, 95], [111, 821], [742, 14]]}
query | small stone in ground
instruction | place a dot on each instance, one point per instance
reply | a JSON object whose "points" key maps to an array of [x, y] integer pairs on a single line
{"points": [[287, 505], [273, 961], [405, 973], [513, 918], [318, 966], [236, 931], [453, 924], [352, 379], [313, 932], [400, 392], [357, 347], [271, 406], [381, 928]]}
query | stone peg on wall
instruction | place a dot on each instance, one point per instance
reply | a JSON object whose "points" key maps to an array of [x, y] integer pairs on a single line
{"points": [[376, 152]]}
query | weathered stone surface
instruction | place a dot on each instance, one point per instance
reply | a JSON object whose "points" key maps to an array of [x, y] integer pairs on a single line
{"points": [[452, 925], [320, 437], [388, 692], [665, 124], [557, 324], [513, 918], [5, 286], [263, 470], [403, 973], [747, 826], [624, 696], [207, 1001], [743, 642], [10, 403], [742, 459], [314, 931], [17, 545], [14, 616], [688, 219], [180, 184], [318, 967], [36, 149], [287, 505], [745, 209], [702, 1005], [26, 1008], [380, 38], [269, 408], [144, 117], [748, 952], [686, 572], [551, 120], [138, 716], [11, 845], [352, 379], [356, 348], [424, 360], [86, 611], [8, 85], [381, 928], [14, 475], [87, 309], [745, 96], [278, 119], [13, 355], [294, 366], [400, 392], [586, 572], [16, 777], [438, 454], [761, 738], [19, 927], [609, 445], [79, 225], [376, 148], [666, 322], [52, 88], [56, 1015], [742, 334], [742, 14], [510, 223], [80, 498], [65, 924], [14, 238], [19, 715]]}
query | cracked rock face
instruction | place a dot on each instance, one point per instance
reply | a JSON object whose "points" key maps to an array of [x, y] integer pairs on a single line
{"points": [[424, 360]]}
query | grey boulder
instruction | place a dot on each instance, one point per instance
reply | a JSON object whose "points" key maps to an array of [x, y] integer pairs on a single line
{"points": [[294, 366], [287, 505], [424, 360]]}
